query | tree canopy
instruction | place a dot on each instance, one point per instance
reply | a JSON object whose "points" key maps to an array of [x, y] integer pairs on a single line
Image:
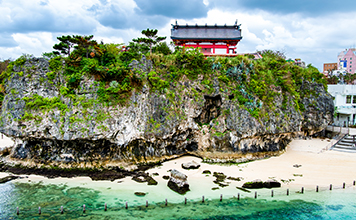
{"points": [[151, 38]]}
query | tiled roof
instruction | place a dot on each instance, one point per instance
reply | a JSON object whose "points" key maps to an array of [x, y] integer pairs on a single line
{"points": [[232, 32]]}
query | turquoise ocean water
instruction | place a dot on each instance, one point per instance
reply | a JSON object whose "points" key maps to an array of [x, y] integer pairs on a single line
{"points": [[336, 204]]}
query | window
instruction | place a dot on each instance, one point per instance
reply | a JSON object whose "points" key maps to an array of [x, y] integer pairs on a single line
{"points": [[354, 99], [348, 99]]}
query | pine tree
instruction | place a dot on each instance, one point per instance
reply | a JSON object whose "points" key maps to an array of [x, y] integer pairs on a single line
{"points": [[151, 38]]}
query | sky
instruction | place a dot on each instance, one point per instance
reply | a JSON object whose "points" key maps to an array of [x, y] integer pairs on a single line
{"points": [[313, 30]]}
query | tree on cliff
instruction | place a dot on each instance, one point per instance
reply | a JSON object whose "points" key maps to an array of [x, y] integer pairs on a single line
{"points": [[151, 38], [81, 44], [64, 46]]}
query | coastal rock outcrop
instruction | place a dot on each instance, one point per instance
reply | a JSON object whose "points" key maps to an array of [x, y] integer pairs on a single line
{"points": [[178, 182], [47, 125], [8, 178]]}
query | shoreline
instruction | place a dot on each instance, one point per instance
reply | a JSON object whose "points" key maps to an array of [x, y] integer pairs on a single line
{"points": [[315, 168]]}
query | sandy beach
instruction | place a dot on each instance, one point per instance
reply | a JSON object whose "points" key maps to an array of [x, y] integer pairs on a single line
{"points": [[317, 168]]}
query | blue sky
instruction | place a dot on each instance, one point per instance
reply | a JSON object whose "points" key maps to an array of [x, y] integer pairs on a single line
{"points": [[313, 30]]}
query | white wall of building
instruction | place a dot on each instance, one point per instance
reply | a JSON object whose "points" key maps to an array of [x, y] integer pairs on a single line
{"points": [[345, 103]]}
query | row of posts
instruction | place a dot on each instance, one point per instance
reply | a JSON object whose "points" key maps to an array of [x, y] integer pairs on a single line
{"points": [[185, 199]]}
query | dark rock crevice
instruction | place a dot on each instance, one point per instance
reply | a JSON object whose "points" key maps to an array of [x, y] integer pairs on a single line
{"points": [[211, 109]]}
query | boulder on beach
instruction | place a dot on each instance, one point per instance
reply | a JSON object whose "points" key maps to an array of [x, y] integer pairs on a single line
{"points": [[255, 184], [235, 178], [220, 178], [190, 165], [206, 172], [178, 182], [258, 184], [271, 184], [165, 177], [144, 177]]}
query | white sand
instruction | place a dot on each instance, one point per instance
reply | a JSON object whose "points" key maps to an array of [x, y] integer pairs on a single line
{"points": [[5, 141], [322, 169]]}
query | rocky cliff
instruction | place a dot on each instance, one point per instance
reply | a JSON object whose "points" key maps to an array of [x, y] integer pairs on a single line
{"points": [[47, 125]]}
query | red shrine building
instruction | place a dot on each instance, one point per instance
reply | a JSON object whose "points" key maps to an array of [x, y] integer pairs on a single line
{"points": [[212, 39]]}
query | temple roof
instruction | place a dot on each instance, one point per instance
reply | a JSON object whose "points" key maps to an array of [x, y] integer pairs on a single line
{"points": [[206, 32]]}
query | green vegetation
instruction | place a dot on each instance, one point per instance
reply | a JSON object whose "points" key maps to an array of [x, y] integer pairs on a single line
{"points": [[251, 84], [150, 38]]}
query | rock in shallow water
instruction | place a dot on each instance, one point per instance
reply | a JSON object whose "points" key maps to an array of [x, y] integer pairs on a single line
{"points": [[140, 193], [178, 182], [7, 179]]}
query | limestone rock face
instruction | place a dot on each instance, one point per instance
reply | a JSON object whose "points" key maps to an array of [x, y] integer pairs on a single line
{"points": [[178, 182], [150, 126], [318, 108]]}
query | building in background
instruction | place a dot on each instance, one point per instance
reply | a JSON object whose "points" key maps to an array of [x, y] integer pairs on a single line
{"points": [[329, 68], [347, 60], [212, 39], [345, 103]]}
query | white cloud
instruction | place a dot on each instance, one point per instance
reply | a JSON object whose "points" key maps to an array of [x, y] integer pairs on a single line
{"points": [[32, 27]]}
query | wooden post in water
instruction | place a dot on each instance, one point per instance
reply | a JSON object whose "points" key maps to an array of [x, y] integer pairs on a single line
{"points": [[84, 208], [287, 192], [185, 200], [105, 207], [146, 203], [126, 206], [220, 197], [39, 210], [166, 202], [331, 186], [272, 193], [302, 191], [62, 210], [343, 185], [238, 196], [255, 194], [317, 189], [202, 199], [17, 211]]}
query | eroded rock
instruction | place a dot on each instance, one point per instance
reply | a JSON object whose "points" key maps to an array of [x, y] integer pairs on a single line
{"points": [[145, 127], [271, 184], [142, 177], [255, 184], [178, 182], [190, 165]]}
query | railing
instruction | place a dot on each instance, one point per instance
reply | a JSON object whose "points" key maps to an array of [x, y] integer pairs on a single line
{"points": [[332, 143], [83, 209], [341, 130]]}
